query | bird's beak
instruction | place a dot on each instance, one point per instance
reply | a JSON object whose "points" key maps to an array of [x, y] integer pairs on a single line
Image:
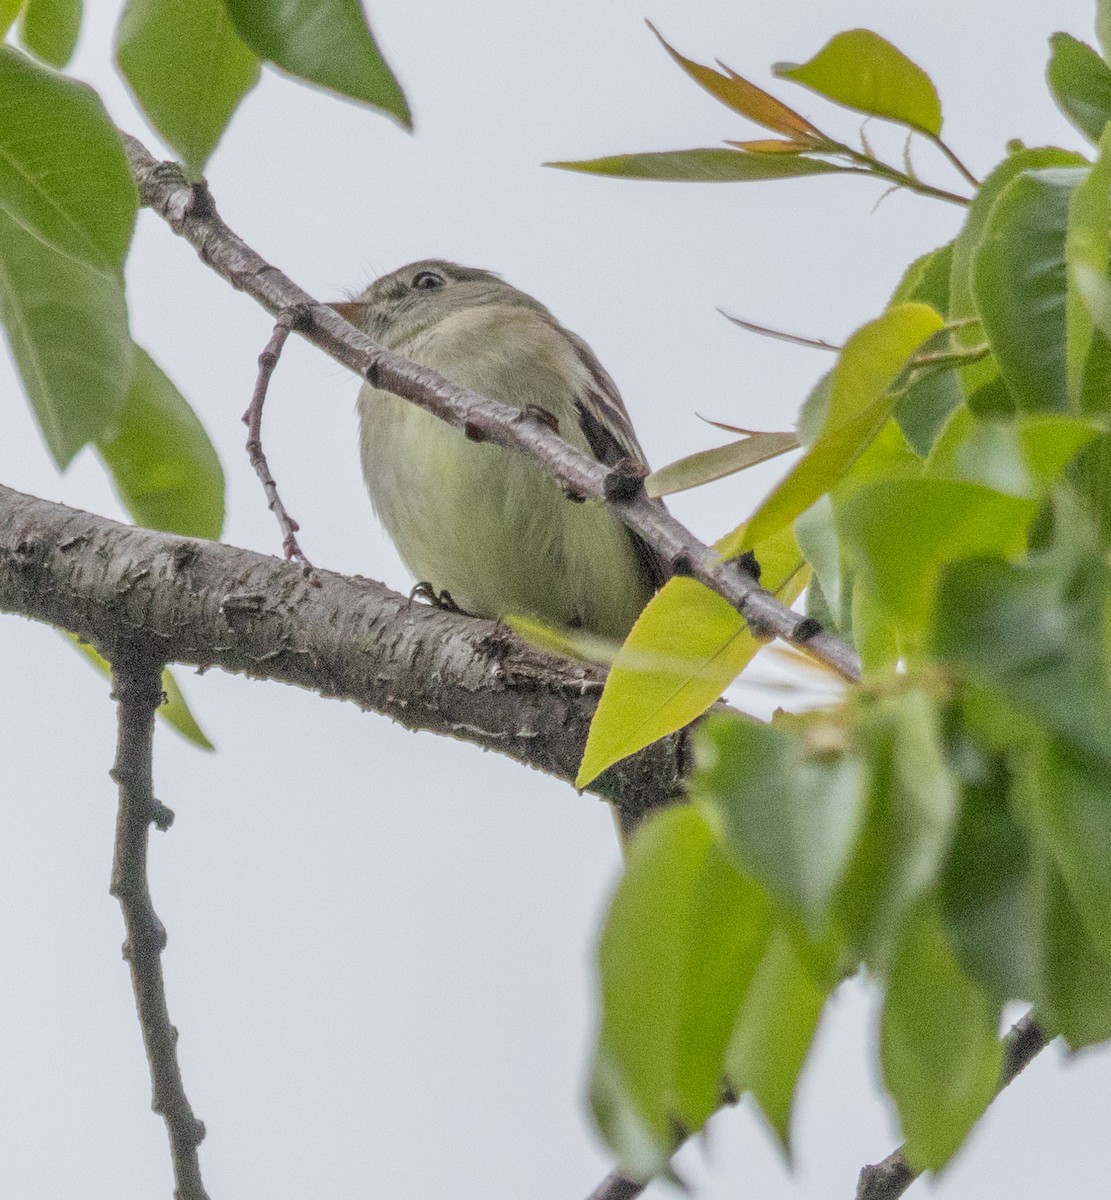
{"points": [[350, 310]]}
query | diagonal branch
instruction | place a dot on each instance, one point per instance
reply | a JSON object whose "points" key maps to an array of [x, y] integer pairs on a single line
{"points": [[207, 604], [137, 687], [889, 1179], [191, 213]]}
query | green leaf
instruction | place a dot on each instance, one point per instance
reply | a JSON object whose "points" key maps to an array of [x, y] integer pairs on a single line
{"points": [[67, 327], [174, 710], [161, 459], [1034, 635], [49, 29], [939, 1046], [686, 647], [1103, 26], [63, 172], [787, 817], [1088, 303], [188, 70], [1071, 807], [1081, 84], [907, 827], [962, 305], [1024, 456], [816, 534], [325, 42], [708, 165], [773, 1033], [1020, 286], [746, 98], [9, 10], [1075, 998], [939, 521], [861, 70], [718, 462], [859, 406], [922, 411], [683, 938], [987, 895]]}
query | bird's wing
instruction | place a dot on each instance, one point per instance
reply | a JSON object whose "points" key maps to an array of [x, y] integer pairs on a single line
{"points": [[610, 435]]}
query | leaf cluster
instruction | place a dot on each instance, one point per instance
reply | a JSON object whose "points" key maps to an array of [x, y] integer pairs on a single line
{"points": [[67, 211], [945, 826]]}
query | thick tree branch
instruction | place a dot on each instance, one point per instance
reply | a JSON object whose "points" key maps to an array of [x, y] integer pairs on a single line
{"points": [[137, 684], [206, 604], [190, 212]]}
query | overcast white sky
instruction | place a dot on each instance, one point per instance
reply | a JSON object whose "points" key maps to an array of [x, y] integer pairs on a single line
{"points": [[381, 943]]}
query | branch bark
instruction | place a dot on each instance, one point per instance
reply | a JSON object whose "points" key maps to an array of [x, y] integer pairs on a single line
{"points": [[137, 687], [206, 604], [190, 212]]}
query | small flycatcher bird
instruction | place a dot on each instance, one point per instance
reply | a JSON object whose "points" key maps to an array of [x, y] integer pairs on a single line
{"points": [[480, 522]]}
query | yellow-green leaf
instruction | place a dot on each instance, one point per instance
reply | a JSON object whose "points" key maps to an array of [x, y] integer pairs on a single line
{"points": [[719, 461], [861, 70], [686, 647], [860, 404], [704, 165]]}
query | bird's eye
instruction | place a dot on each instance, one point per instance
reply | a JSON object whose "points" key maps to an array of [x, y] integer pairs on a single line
{"points": [[427, 281]]}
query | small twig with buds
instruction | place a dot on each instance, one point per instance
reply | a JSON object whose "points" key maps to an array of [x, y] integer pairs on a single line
{"points": [[137, 687]]}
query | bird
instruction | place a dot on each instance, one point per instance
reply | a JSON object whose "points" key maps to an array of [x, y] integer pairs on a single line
{"points": [[481, 526]]}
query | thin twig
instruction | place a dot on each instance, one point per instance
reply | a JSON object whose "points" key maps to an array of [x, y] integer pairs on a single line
{"points": [[190, 212], [616, 1187], [137, 684], [890, 1178], [794, 338], [288, 320], [952, 157]]}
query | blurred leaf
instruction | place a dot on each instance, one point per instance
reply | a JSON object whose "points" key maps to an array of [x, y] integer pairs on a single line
{"points": [[774, 1030], [707, 165], [1034, 635], [9, 10], [908, 822], [174, 710], [859, 406], [746, 98], [49, 29], [1088, 303], [1081, 84], [187, 69], [682, 940], [718, 462], [987, 897], [861, 70], [1021, 457], [1020, 286], [939, 522], [325, 42], [788, 817], [1075, 1000], [1071, 806], [922, 410], [816, 535], [962, 306], [67, 327], [63, 172], [939, 1045], [163, 464], [686, 647]]}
